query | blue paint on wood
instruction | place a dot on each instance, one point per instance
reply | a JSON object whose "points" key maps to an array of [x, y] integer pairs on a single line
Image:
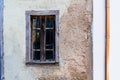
{"points": [[1, 39]]}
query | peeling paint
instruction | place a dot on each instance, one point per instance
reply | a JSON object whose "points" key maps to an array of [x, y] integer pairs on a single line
{"points": [[75, 40]]}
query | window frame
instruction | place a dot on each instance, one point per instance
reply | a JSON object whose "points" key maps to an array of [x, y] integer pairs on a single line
{"points": [[28, 35]]}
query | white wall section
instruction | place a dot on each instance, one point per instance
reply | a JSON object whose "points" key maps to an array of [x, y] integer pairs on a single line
{"points": [[115, 40], [99, 40]]}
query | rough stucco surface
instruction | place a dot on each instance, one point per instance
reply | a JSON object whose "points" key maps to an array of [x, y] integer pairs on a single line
{"points": [[75, 40]]}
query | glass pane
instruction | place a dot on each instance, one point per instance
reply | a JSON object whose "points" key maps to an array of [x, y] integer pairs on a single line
{"points": [[49, 46], [49, 39], [34, 22], [49, 55], [36, 39], [36, 55], [38, 22], [50, 22]]}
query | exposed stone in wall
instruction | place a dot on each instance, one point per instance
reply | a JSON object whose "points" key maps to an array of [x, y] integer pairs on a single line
{"points": [[75, 41]]}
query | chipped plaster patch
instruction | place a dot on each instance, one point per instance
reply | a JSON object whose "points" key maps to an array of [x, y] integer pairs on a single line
{"points": [[75, 40]]}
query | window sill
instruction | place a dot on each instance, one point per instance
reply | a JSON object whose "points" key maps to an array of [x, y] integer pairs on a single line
{"points": [[41, 62]]}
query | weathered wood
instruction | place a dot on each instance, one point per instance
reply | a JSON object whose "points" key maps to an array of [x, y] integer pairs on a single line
{"points": [[37, 28], [57, 37], [1, 41], [49, 28], [42, 39], [33, 39], [28, 38], [41, 62], [42, 35], [49, 49], [48, 12], [36, 49]]}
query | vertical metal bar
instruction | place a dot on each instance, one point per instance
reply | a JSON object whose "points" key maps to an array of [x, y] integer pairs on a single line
{"points": [[107, 39], [1, 41]]}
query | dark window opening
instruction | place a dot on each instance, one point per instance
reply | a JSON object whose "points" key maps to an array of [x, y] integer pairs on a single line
{"points": [[42, 36], [36, 55], [49, 55]]}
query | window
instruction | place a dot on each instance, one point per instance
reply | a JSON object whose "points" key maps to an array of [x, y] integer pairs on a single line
{"points": [[42, 36]]}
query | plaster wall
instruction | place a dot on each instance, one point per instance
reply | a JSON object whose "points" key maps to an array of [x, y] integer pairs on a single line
{"points": [[114, 66], [98, 35], [75, 62]]}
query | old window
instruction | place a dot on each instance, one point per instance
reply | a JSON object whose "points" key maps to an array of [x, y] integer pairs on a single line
{"points": [[42, 36]]}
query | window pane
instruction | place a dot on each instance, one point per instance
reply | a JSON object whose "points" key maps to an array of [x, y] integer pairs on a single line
{"points": [[49, 55], [36, 39], [49, 39], [49, 46], [38, 22], [36, 55], [50, 21], [34, 22]]}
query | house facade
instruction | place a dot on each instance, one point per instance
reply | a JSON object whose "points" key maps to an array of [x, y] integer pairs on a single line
{"points": [[31, 27]]}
